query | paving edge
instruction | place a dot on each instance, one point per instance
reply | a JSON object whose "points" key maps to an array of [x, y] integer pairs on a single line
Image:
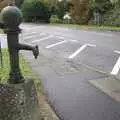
{"points": [[46, 111]]}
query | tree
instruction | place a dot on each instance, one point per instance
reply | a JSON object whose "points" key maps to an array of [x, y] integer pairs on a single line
{"points": [[79, 11], [35, 10], [53, 3], [102, 5], [4, 3], [19, 3], [113, 1], [62, 7]]}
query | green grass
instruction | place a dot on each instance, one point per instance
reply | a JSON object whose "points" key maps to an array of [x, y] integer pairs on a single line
{"points": [[88, 27], [1, 31], [25, 69]]}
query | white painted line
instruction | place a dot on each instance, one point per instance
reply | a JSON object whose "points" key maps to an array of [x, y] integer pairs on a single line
{"points": [[28, 33], [41, 34], [60, 37], [80, 50], [42, 39], [91, 45], [53, 45], [116, 68], [32, 36], [116, 51], [73, 40], [28, 37]]}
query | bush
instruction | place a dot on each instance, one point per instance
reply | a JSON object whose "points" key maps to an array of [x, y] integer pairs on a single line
{"points": [[55, 19], [101, 5], [19, 3], [112, 17], [35, 11]]}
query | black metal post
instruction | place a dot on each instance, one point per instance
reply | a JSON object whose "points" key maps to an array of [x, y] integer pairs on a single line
{"points": [[15, 75], [11, 18]]}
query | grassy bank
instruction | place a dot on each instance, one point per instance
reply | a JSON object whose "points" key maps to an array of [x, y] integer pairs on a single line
{"points": [[88, 27], [46, 111], [1, 31], [25, 69]]}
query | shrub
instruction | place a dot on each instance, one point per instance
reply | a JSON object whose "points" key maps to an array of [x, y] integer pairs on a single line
{"points": [[19, 3], [35, 10], [55, 19], [112, 17]]}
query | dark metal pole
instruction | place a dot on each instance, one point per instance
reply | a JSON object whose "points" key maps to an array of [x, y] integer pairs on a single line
{"points": [[15, 75], [12, 17]]}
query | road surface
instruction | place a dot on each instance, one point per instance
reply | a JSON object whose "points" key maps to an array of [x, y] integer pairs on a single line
{"points": [[79, 70]]}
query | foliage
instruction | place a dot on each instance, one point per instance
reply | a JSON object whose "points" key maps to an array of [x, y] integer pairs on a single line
{"points": [[4, 3], [102, 5], [19, 3], [55, 19], [79, 11], [112, 17], [82, 10], [35, 11], [53, 10], [24, 66], [60, 8]]}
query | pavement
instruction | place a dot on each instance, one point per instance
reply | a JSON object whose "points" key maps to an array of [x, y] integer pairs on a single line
{"points": [[79, 70]]}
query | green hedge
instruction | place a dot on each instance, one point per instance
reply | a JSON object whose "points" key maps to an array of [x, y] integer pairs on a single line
{"points": [[35, 11], [112, 17]]}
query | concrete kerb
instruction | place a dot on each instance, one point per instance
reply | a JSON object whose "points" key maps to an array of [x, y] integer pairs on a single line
{"points": [[109, 85], [46, 110]]}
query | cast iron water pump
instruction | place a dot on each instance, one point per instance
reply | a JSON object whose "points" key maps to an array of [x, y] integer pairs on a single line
{"points": [[11, 17]]}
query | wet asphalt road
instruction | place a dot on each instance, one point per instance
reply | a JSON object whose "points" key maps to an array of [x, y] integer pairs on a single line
{"points": [[101, 54], [68, 59]]}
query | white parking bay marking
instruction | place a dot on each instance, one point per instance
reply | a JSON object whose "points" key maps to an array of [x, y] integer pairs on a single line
{"points": [[42, 39], [55, 44], [80, 50], [60, 37], [116, 68], [32, 36], [116, 51], [28, 33], [73, 40]]}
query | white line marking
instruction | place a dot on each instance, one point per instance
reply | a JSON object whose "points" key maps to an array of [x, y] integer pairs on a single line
{"points": [[32, 36], [116, 51], [53, 45], [116, 68], [42, 39], [28, 37], [73, 40], [91, 45], [80, 50], [60, 37], [28, 33]]}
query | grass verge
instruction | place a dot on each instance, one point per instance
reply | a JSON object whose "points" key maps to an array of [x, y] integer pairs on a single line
{"points": [[25, 69], [88, 27], [46, 111], [1, 31]]}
